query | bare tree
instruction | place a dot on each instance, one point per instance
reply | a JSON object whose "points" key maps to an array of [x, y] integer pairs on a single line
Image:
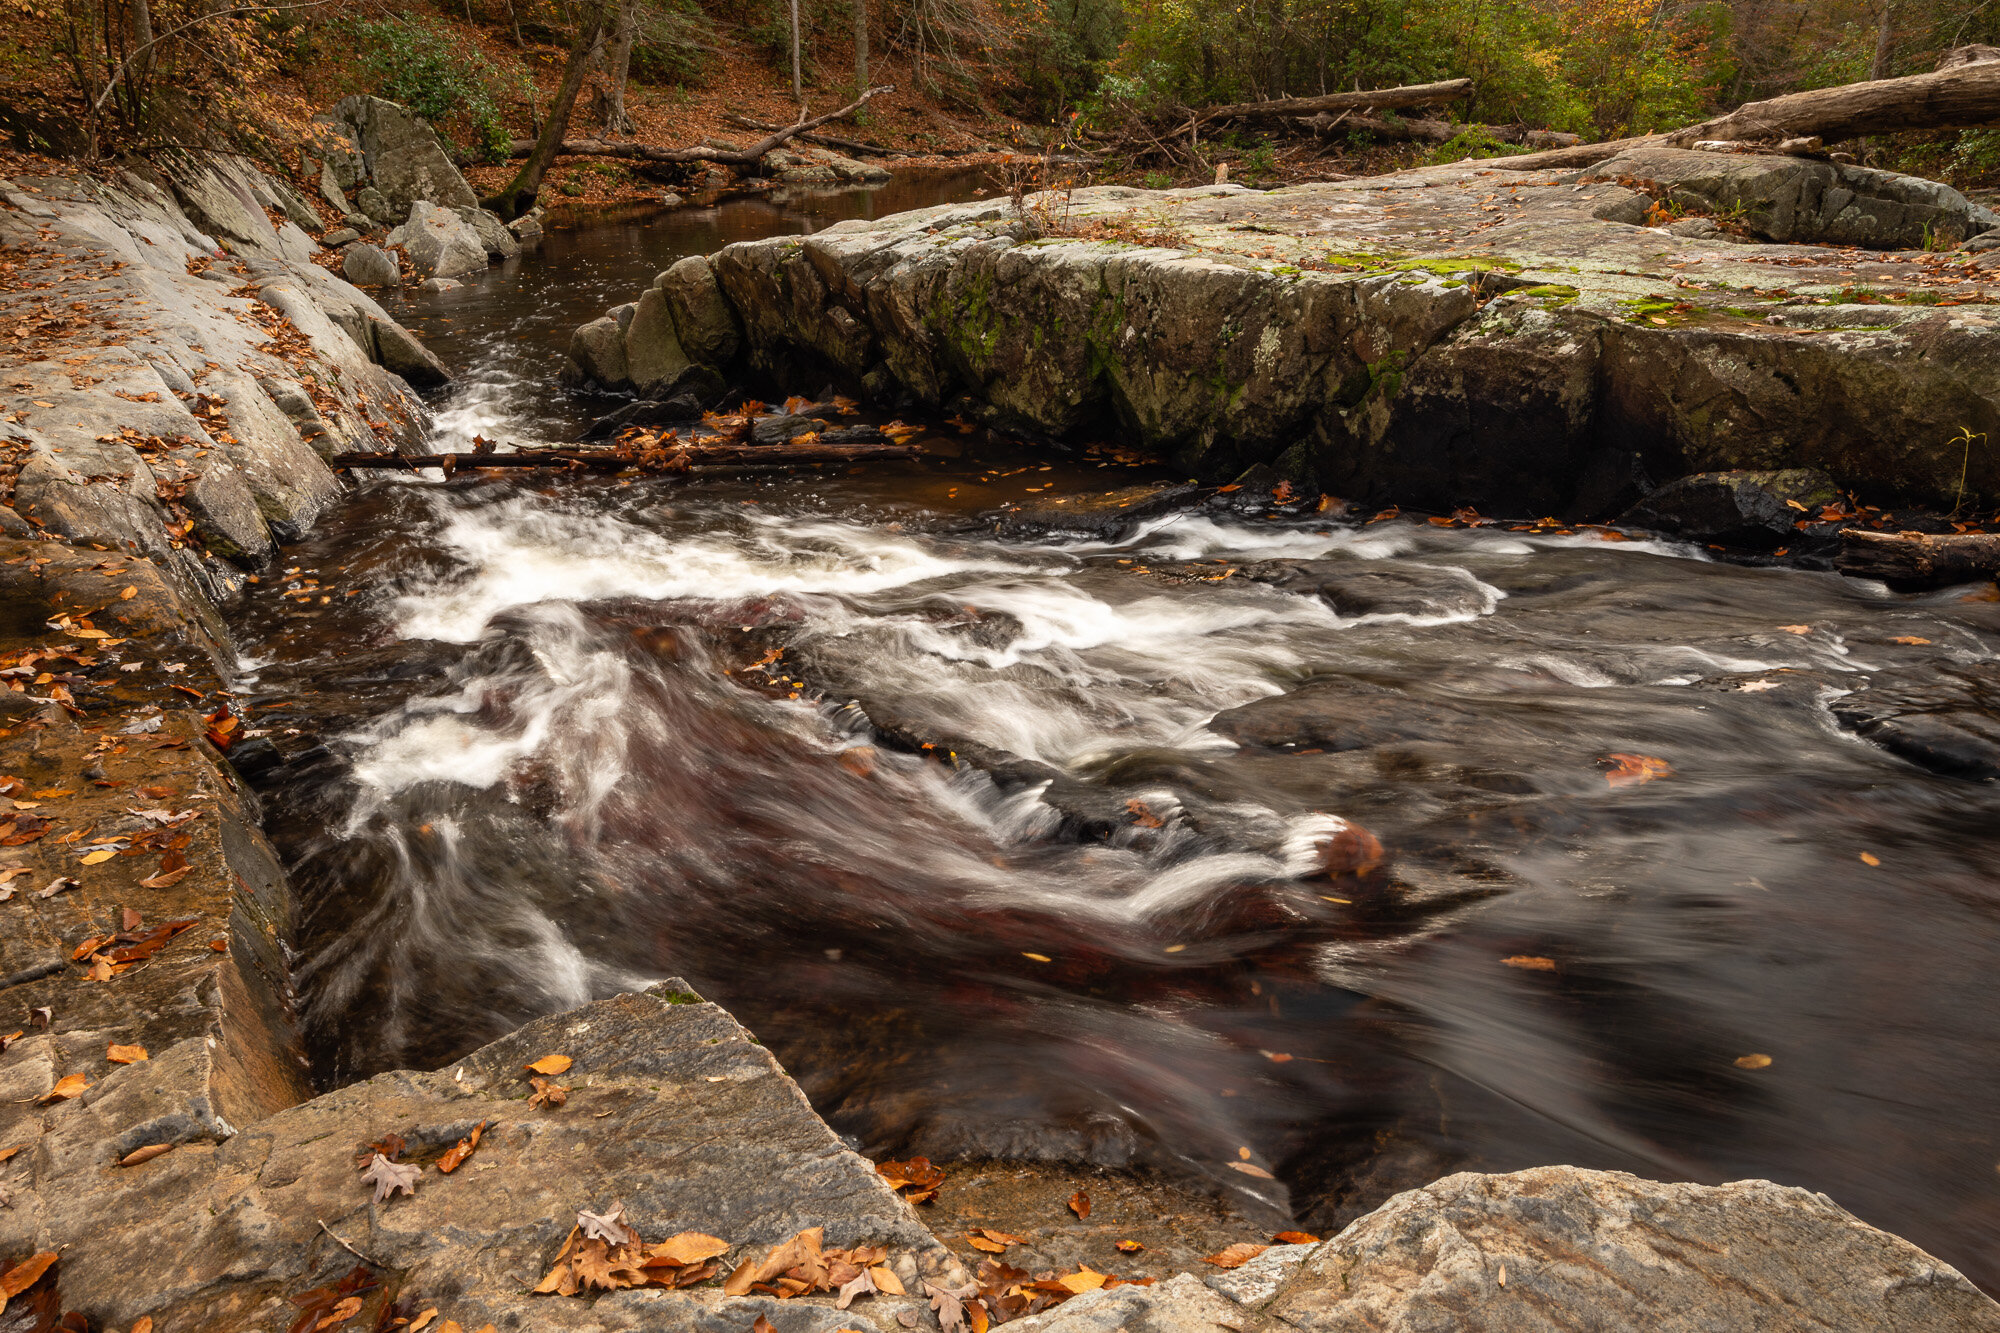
{"points": [[616, 120], [798, 84], [860, 43]]}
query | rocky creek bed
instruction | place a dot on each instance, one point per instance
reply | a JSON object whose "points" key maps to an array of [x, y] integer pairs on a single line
{"points": [[179, 366]]}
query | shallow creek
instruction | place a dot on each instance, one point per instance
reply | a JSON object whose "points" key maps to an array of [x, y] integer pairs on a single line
{"points": [[542, 749]]}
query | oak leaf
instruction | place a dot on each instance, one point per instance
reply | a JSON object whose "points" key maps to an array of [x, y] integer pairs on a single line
{"points": [[606, 1226], [862, 1284], [387, 1177], [949, 1305], [801, 1252]]}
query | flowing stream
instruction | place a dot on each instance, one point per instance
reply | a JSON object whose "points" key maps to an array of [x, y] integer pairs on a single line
{"points": [[551, 738]]}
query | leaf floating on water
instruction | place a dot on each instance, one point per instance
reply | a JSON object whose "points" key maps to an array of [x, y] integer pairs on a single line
{"points": [[1756, 686], [1869, 858], [1910, 639], [1531, 963], [1295, 1238], [1079, 1203], [1235, 1256], [550, 1064], [98, 858], [387, 1177], [1038, 957], [1796, 629], [979, 1242], [917, 1176], [1142, 815], [1755, 1061], [1252, 1169], [1625, 770]]}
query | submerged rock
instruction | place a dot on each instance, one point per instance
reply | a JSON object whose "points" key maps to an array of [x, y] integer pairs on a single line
{"points": [[1105, 516]]}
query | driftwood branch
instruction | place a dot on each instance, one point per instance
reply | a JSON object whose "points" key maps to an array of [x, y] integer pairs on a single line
{"points": [[823, 140], [671, 458], [1919, 559], [1961, 96], [745, 157], [1384, 99]]}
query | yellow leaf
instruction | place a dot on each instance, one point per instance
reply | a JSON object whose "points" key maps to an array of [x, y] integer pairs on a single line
{"points": [[1756, 1061], [1869, 858], [551, 1064], [125, 1055], [423, 1320], [1082, 1280], [886, 1280], [128, 594], [99, 858], [1038, 957], [68, 1086]]}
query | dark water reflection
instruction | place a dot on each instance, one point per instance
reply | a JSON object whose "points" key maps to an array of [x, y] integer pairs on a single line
{"points": [[554, 769]]}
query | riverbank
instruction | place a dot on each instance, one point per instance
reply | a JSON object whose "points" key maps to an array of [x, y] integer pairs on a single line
{"points": [[159, 1135]]}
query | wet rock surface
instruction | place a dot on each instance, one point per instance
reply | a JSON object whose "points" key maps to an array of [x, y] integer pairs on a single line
{"points": [[1741, 508]]}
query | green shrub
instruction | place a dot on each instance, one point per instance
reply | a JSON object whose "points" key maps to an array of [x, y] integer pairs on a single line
{"points": [[437, 75]]}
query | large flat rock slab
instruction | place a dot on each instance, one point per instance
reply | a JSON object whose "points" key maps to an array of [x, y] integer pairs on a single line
{"points": [[1559, 1248], [672, 1109]]}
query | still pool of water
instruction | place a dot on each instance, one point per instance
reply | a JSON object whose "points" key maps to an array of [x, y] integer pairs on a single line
{"points": [[1642, 900]]}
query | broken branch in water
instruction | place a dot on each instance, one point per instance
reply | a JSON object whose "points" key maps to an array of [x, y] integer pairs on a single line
{"points": [[735, 157], [1915, 558], [670, 457]]}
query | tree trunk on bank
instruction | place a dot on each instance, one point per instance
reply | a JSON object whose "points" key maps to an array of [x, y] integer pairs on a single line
{"points": [[616, 121], [519, 195], [798, 84], [860, 43], [1964, 95], [1385, 99], [1885, 40]]}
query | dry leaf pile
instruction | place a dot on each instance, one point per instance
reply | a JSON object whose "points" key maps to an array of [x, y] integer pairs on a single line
{"points": [[604, 1253]]}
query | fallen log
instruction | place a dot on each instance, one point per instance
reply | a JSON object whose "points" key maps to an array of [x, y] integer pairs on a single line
{"points": [[1420, 129], [739, 157], [1957, 97], [823, 140], [1383, 99], [667, 458], [1919, 559]]}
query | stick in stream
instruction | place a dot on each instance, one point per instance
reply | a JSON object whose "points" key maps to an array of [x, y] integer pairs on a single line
{"points": [[1919, 559]]}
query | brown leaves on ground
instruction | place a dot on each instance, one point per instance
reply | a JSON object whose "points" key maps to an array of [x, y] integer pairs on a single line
{"points": [[916, 1179], [547, 1092], [1235, 1256], [24, 1275], [604, 1253], [800, 1266], [334, 1304], [1079, 1203], [991, 1241], [108, 956], [145, 1154], [1001, 1293], [1627, 770]]}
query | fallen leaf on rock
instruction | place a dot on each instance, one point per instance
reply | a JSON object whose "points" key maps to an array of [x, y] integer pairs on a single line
{"points": [[1079, 1203], [8, 1152], [68, 1086], [550, 1064], [1082, 1280], [949, 1305], [1235, 1256], [886, 1280], [98, 858], [1130, 1246], [387, 1177], [321, 1302], [422, 1321], [1295, 1238], [689, 1247], [1530, 963], [862, 1284], [166, 879], [24, 1275], [128, 594], [1252, 1169], [762, 1325], [1755, 1061], [800, 1252], [125, 1055], [461, 1150], [344, 1310], [144, 1324], [145, 1154], [606, 1226], [548, 1092], [979, 1242], [1625, 770]]}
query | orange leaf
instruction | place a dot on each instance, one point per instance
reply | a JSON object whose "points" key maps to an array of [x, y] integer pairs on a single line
{"points": [[1236, 1255], [1900, 638], [1131, 1246], [145, 1154], [1531, 963], [1869, 858], [1756, 1061], [125, 1055], [461, 1150], [979, 1242], [1252, 1169], [1295, 1238], [1082, 1280], [689, 1247], [550, 1064], [1079, 1203], [1796, 629], [1626, 770], [25, 1274], [68, 1086]]}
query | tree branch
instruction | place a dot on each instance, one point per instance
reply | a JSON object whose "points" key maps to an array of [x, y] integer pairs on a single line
{"points": [[744, 157]]}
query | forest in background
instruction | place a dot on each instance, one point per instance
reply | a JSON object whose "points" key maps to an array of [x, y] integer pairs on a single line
{"points": [[86, 77]]}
